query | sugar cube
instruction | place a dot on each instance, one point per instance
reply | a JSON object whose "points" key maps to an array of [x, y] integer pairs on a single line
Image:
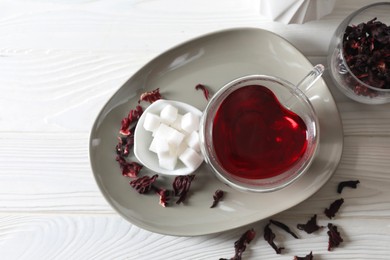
{"points": [[175, 137], [192, 140], [152, 122], [191, 158], [167, 160], [181, 148], [153, 145], [159, 145], [177, 123], [169, 113], [190, 122], [178, 150], [163, 131]]}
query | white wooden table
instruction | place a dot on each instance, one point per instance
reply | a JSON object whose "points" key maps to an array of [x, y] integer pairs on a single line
{"points": [[60, 61]]}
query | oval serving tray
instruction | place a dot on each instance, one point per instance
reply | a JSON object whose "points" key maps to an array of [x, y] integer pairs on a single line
{"points": [[212, 60]]}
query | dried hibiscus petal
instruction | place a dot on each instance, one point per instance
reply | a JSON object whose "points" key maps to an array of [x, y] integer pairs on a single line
{"points": [[130, 121], [164, 194], [334, 237], [150, 96], [310, 226], [307, 257], [204, 89], [350, 184], [129, 169], [125, 125], [217, 197], [135, 114], [143, 184], [241, 243], [181, 186], [334, 208], [120, 148], [125, 143], [284, 227], [269, 236]]}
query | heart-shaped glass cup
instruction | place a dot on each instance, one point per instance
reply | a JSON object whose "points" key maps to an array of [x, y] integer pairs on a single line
{"points": [[254, 144]]}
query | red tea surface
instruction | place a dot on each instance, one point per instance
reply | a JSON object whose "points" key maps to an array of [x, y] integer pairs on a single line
{"points": [[256, 137]]}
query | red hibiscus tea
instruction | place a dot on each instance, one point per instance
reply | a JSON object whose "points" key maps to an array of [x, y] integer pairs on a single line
{"points": [[255, 136], [259, 133]]}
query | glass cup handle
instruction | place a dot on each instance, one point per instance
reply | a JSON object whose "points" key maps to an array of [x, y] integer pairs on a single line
{"points": [[307, 82]]}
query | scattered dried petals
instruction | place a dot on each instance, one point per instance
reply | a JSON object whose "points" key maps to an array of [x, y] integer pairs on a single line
{"points": [[217, 197], [284, 227], [129, 169], [307, 257], [204, 89], [181, 186], [310, 226], [333, 208], [350, 184], [269, 236], [143, 184], [150, 96], [334, 237]]}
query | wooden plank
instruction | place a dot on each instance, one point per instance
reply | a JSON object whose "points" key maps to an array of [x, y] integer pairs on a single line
{"points": [[110, 237]]}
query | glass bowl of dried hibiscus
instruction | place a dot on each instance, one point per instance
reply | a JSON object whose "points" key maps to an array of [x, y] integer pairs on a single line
{"points": [[359, 55]]}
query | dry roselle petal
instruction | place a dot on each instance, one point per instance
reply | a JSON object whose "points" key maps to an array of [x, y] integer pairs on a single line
{"points": [[334, 237], [130, 121], [181, 186], [217, 197], [120, 148], [311, 226], [334, 208], [284, 227], [135, 114], [125, 143], [307, 257], [143, 184], [129, 169], [350, 184], [164, 194], [241, 243], [204, 89], [125, 125], [269, 236], [150, 96]]}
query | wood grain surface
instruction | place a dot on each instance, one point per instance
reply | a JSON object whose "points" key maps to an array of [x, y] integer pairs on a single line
{"points": [[60, 61]]}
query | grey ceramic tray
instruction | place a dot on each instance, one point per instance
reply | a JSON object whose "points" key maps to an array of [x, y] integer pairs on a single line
{"points": [[213, 60]]}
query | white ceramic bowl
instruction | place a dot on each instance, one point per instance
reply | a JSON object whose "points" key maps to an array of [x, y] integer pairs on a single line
{"points": [[143, 138]]}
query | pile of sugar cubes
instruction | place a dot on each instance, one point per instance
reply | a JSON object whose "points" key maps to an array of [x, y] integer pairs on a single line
{"points": [[175, 136]]}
